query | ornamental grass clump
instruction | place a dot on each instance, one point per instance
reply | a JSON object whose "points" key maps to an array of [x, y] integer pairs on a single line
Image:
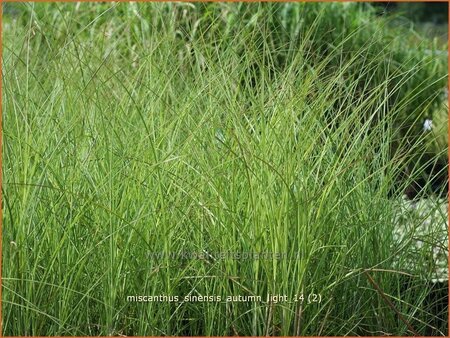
{"points": [[142, 157]]}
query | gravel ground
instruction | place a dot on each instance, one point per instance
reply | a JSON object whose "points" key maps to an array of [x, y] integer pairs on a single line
{"points": [[422, 229]]}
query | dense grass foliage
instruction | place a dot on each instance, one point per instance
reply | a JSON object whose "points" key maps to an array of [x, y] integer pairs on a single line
{"points": [[132, 129]]}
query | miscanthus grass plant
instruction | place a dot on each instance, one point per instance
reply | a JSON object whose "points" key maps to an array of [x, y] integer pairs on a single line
{"points": [[129, 143]]}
